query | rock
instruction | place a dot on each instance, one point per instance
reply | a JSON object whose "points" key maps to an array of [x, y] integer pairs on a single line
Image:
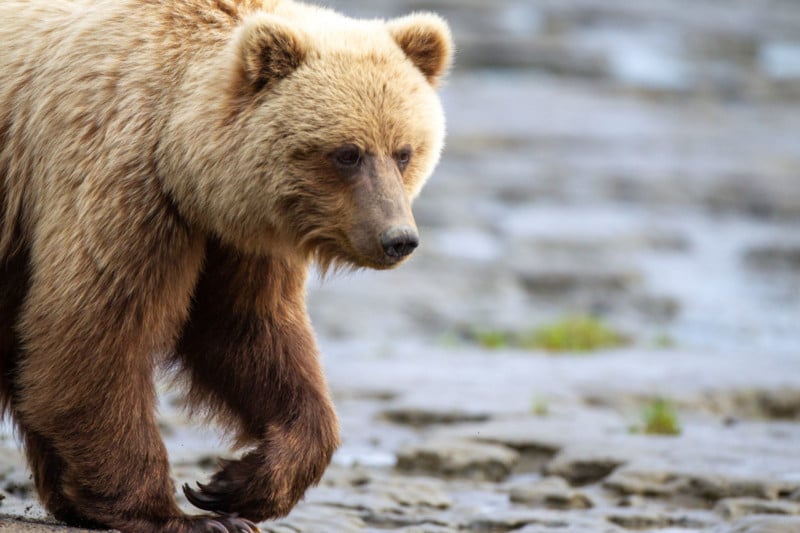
{"points": [[515, 520], [25, 525], [10, 458], [453, 458], [581, 466], [706, 486], [734, 508], [573, 527], [782, 404], [552, 492], [19, 483], [425, 527], [317, 518], [772, 403], [631, 500], [656, 308], [412, 492], [635, 519], [383, 493], [752, 195], [337, 476], [528, 435], [652, 484], [762, 524], [778, 256], [417, 417], [560, 280], [402, 519]]}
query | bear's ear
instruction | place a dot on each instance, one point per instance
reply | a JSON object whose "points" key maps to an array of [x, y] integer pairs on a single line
{"points": [[426, 40], [269, 50]]}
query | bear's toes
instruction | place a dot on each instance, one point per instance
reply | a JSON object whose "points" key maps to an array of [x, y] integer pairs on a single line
{"points": [[203, 524], [231, 493], [238, 525]]}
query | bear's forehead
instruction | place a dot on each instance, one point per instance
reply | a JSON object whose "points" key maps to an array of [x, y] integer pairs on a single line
{"points": [[364, 76], [369, 42], [380, 107]]}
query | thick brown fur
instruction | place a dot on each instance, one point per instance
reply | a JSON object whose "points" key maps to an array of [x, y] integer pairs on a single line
{"points": [[168, 170]]}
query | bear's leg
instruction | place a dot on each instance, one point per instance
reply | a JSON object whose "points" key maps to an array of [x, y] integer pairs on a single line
{"points": [[45, 463], [85, 394], [252, 359], [13, 286], [47, 468]]}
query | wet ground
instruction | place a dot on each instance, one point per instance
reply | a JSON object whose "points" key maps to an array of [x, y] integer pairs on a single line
{"points": [[638, 162]]}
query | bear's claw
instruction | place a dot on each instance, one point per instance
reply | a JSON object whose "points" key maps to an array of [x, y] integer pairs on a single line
{"points": [[204, 498], [209, 500], [213, 497]]}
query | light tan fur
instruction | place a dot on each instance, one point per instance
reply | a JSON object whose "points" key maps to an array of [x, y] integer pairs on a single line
{"points": [[167, 172]]}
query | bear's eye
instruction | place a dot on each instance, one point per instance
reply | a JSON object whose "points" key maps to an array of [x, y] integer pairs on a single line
{"points": [[403, 157], [348, 155]]}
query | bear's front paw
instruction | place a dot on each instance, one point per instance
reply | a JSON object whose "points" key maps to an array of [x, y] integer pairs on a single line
{"points": [[243, 488], [268, 481]]}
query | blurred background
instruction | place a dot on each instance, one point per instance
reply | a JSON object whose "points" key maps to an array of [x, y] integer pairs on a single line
{"points": [[639, 161], [600, 331], [608, 284]]}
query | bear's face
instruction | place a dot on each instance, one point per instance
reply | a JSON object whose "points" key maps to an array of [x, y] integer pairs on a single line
{"points": [[361, 131], [337, 127]]}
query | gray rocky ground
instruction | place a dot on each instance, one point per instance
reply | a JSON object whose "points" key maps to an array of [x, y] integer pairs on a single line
{"points": [[638, 161]]}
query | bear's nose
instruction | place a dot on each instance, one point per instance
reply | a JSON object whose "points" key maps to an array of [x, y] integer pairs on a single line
{"points": [[399, 241]]}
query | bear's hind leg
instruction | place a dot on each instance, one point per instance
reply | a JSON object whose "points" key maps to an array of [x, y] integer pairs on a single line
{"points": [[252, 359]]}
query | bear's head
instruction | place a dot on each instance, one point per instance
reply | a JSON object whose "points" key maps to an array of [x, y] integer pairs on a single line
{"points": [[321, 132]]}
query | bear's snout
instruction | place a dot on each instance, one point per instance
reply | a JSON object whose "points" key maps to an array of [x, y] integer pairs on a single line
{"points": [[399, 241]]}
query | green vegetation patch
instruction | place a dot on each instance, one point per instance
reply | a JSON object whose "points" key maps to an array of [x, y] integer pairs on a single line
{"points": [[574, 334], [570, 334], [540, 406], [659, 417], [493, 339]]}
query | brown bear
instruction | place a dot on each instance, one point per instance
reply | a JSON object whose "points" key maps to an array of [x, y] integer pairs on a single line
{"points": [[168, 172]]}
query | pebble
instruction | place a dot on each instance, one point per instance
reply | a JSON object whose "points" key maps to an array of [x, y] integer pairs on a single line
{"points": [[762, 524], [581, 465], [459, 458], [733, 508], [552, 492], [427, 417]]}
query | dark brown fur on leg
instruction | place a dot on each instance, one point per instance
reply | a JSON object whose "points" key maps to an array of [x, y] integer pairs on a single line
{"points": [[45, 463], [13, 286], [252, 359], [76, 403], [83, 393]]}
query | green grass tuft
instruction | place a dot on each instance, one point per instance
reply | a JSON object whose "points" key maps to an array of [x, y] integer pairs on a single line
{"points": [[659, 417], [574, 334], [664, 341], [571, 334], [493, 340], [539, 406]]}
